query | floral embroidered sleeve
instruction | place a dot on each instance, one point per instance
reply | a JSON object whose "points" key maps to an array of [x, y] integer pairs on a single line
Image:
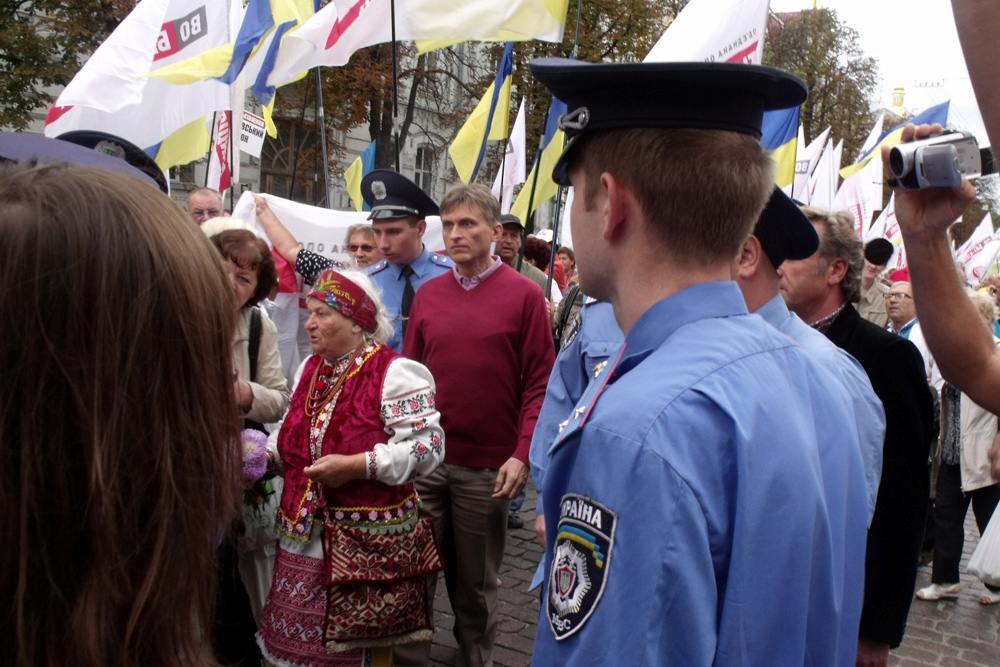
{"points": [[416, 441]]}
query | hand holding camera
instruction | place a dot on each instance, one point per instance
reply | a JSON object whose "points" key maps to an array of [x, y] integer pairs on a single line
{"points": [[928, 210]]}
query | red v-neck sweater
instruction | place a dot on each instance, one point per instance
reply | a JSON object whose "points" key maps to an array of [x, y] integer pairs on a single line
{"points": [[490, 351]]}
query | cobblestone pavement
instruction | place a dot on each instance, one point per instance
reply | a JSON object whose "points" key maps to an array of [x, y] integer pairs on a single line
{"points": [[960, 633]]}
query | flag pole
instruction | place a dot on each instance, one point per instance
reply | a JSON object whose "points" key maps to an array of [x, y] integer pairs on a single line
{"points": [[211, 147], [321, 117], [232, 183], [556, 221], [295, 149], [395, 82], [503, 162]]}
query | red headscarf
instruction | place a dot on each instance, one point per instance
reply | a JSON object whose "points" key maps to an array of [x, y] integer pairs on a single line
{"points": [[346, 298]]}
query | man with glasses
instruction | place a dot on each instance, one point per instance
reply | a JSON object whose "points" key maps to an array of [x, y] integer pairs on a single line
{"points": [[902, 312], [204, 204]]}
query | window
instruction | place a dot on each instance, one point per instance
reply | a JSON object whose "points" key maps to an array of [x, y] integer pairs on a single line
{"points": [[423, 170]]}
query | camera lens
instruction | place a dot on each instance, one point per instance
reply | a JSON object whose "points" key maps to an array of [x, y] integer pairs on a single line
{"points": [[898, 162]]}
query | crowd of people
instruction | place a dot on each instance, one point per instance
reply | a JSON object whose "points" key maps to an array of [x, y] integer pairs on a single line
{"points": [[738, 422]]}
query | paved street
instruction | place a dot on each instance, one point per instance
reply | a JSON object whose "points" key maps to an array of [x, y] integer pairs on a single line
{"points": [[959, 633]]}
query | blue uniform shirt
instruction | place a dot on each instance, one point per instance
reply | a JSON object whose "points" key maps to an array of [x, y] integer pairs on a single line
{"points": [[389, 279], [869, 415], [579, 362], [684, 501]]}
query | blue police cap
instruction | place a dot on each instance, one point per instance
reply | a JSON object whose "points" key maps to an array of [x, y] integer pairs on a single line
{"points": [[784, 231], [23, 146], [617, 96], [391, 196], [109, 144]]}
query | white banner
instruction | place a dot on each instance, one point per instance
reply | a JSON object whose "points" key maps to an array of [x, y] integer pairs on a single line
{"points": [[724, 31]]}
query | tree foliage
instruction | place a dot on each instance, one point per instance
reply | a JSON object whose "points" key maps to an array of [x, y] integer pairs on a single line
{"points": [[824, 52], [41, 46]]}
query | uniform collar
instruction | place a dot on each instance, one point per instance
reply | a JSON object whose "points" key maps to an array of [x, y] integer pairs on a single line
{"points": [[659, 322], [774, 312], [419, 265]]}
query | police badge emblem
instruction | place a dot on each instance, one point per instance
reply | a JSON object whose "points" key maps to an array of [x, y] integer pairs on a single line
{"points": [[580, 562], [378, 190]]}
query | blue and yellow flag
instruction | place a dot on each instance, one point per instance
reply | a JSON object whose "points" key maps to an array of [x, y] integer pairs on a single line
{"points": [[363, 164], [892, 137], [489, 121], [545, 187], [779, 135]]}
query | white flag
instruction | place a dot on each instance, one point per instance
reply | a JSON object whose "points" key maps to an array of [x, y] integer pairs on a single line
{"points": [[513, 169], [220, 175], [980, 234], [725, 31], [858, 196], [112, 92], [805, 163], [978, 253], [872, 139], [820, 190]]}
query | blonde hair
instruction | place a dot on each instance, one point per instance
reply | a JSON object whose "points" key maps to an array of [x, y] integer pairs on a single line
{"points": [[118, 425], [838, 240], [986, 308]]}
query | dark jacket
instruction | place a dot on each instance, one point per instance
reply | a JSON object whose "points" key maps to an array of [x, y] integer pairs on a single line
{"points": [[896, 371]]}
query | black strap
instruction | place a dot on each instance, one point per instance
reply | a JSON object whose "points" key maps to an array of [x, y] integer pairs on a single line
{"points": [[408, 293], [253, 345]]}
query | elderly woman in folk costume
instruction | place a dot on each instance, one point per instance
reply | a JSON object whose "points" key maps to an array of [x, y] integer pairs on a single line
{"points": [[353, 558]]}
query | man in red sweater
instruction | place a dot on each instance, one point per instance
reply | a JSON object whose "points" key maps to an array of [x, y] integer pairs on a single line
{"points": [[484, 333]]}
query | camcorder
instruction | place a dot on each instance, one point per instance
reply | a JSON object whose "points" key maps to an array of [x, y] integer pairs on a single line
{"points": [[940, 161]]}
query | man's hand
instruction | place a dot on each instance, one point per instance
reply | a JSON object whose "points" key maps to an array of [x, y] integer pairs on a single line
{"points": [[335, 470], [540, 529], [510, 479], [929, 212], [872, 654]]}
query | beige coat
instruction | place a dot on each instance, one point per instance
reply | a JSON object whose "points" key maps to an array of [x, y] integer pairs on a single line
{"points": [[270, 391], [979, 428]]}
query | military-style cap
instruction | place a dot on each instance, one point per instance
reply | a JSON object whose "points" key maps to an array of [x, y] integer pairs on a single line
{"points": [[23, 147], [616, 96], [116, 147], [784, 230], [878, 251], [391, 196], [510, 219]]}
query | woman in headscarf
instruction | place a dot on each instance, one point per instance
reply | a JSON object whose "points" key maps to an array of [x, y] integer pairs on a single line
{"points": [[353, 558]]}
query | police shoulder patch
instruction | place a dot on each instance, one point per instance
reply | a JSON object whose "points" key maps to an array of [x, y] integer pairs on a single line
{"points": [[442, 260], [580, 564], [375, 268]]}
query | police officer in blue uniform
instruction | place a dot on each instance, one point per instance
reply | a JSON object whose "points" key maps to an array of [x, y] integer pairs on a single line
{"points": [[398, 208], [687, 519]]}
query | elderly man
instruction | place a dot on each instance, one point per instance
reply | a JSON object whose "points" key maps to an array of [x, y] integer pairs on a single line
{"points": [[204, 204], [398, 209], [509, 248], [902, 313], [686, 515], [483, 332], [820, 290]]}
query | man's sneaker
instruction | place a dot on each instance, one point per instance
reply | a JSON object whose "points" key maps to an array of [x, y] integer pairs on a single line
{"points": [[939, 592]]}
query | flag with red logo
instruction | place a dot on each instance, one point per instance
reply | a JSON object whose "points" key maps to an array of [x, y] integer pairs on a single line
{"points": [[724, 31], [114, 93]]}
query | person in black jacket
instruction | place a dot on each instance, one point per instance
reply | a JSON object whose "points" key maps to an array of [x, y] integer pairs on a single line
{"points": [[821, 290]]}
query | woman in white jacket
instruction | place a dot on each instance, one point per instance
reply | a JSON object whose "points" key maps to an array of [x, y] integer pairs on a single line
{"points": [[967, 433]]}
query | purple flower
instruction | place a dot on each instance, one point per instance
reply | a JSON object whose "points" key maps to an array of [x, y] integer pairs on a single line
{"points": [[254, 454]]}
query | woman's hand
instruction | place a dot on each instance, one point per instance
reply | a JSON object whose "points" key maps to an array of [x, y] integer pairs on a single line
{"points": [[335, 470]]}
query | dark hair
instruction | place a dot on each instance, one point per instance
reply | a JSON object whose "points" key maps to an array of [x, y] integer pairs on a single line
{"points": [[565, 250], [247, 251], [538, 252], [119, 461]]}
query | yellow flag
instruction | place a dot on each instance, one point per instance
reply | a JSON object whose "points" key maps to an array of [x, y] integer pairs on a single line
{"points": [[545, 188], [187, 144], [467, 146], [519, 20], [352, 177]]}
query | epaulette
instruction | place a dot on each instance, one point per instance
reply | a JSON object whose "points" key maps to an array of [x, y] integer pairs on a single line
{"points": [[375, 268], [442, 260]]}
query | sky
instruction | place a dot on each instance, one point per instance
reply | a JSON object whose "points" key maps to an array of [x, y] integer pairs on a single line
{"points": [[916, 46]]}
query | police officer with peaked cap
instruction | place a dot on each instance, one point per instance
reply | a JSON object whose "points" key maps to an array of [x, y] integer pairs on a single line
{"points": [[398, 208], [84, 148], [684, 492]]}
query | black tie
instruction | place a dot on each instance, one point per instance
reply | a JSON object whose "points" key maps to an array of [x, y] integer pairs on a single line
{"points": [[407, 296]]}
